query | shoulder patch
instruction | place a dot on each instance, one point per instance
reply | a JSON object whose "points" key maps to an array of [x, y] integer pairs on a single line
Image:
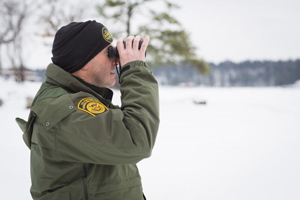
{"points": [[92, 106], [106, 35]]}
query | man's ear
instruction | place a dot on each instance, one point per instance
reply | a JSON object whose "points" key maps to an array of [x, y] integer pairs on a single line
{"points": [[86, 67], [82, 70]]}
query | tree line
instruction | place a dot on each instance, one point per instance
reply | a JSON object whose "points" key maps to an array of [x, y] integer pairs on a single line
{"points": [[231, 74], [228, 74]]}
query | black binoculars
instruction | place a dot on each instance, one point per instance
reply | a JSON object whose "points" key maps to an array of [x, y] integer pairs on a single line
{"points": [[113, 51]]}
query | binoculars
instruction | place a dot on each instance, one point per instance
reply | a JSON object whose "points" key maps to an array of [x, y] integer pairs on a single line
{"points": [[113, 51]]}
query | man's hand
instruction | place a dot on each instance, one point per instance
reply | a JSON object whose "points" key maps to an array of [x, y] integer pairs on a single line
{"points": [[131, 52]]}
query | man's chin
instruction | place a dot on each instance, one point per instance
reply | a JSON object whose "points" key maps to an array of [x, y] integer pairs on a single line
{"points": [[112, 83]]}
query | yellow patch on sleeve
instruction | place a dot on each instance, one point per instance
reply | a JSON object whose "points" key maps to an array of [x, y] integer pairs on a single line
{"points": [[92, 106]]}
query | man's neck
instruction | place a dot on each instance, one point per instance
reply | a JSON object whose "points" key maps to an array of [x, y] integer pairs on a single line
{"points": [[105, 92]]}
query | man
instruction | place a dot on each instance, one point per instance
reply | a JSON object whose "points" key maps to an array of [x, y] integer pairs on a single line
{"points": [[82, 146]]}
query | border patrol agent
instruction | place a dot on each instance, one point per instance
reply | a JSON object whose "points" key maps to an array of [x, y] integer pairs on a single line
{"points": [[82, 146]]}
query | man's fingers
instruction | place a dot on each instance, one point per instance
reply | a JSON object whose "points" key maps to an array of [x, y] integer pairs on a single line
{"points": [[136, 42], [145, 44], [129, 42], [131, 51]]}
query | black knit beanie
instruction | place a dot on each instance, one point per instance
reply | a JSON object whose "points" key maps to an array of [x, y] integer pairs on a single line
{"points": [[77, 43]]}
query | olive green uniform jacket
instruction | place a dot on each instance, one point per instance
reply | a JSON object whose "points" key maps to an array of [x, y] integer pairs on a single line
{"points": [[82, 146]]}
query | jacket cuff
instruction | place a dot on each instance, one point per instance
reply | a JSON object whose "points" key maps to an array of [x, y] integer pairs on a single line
{"points": [[133, 64]]}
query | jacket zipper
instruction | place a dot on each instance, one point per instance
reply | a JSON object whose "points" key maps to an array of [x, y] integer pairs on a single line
{"points": [[86, 197]]}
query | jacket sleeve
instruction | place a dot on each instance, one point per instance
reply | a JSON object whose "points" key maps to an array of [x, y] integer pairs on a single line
{"points": [[124, 135]]}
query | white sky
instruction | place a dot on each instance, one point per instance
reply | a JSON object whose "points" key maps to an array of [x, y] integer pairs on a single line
{"points": [[234, 30], [243, 29]]}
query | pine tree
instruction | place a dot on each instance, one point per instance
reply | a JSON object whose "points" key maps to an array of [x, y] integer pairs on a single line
{"points": [[170, 43]]}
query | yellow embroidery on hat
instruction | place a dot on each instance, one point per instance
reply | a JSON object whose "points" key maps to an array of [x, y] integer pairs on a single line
{"points": [[92, 106], [106, 35]]}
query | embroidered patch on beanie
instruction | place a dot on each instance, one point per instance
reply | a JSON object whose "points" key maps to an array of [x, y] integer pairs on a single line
{"points": [[106, 35]]}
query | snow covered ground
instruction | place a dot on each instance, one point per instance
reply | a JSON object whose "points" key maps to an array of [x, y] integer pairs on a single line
{"points": [[242, 145]]}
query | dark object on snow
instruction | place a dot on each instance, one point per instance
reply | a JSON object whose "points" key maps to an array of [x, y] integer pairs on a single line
{"points": [[1, 102], [200, 102]]}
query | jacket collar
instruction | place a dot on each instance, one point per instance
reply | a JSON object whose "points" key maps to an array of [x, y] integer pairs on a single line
{"points": [[57, 76]]}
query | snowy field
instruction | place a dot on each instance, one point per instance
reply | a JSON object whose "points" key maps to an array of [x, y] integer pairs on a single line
{"points": [[242, 145]]}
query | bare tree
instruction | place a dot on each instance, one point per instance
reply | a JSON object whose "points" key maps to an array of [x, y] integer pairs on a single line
{"points": [[13, 14], [58, 13]]}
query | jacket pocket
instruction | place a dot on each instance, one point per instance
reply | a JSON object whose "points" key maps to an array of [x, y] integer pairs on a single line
{"points": [[65, 196]]}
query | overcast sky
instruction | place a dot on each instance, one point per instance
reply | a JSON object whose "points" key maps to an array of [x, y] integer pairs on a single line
{"points": [[243, 29], [222, 30]]}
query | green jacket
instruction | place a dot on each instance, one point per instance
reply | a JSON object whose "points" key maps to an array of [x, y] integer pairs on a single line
{"points": [[82, 146]]}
